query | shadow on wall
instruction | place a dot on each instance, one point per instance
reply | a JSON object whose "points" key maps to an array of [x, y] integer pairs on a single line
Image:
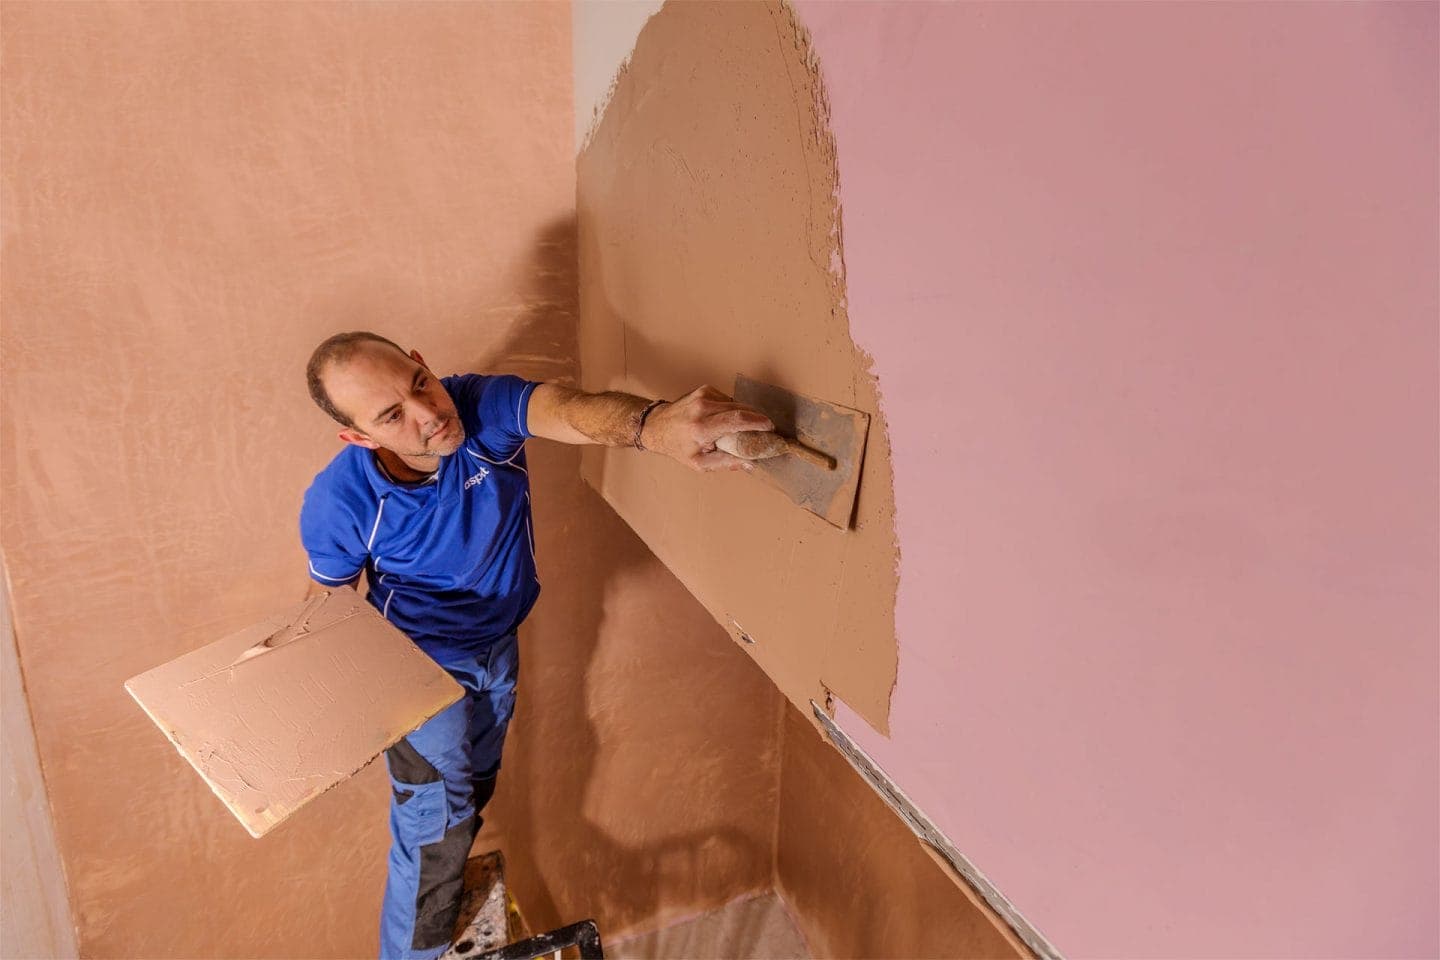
{"points": [[641, 774]]}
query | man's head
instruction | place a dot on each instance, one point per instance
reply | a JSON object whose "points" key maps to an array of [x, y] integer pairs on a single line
{"points": [[383, 397]]}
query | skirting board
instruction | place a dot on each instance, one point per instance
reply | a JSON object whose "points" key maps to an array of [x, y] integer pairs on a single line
{"points": [[928, 834]]}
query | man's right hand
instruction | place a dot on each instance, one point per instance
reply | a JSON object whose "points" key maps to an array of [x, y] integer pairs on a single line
{"points": [[686, 430]]}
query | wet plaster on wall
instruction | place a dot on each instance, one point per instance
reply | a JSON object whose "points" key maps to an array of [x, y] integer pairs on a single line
{"points": [[710, 246]]}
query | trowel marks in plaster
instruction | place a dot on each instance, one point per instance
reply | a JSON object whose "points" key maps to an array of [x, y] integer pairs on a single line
{"points": [[709, 246]]}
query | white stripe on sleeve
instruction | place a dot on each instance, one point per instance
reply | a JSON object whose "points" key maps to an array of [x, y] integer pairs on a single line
{"points": [[320, 576], [519, 404]]}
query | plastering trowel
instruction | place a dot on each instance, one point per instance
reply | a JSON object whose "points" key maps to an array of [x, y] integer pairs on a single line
{"points": [[814, 454]]}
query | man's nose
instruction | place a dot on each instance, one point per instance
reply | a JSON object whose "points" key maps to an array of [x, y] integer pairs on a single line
{"points": [[427, 413]]}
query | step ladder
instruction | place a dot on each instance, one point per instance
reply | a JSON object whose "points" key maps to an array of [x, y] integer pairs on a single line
{"points": [[491, 926]]}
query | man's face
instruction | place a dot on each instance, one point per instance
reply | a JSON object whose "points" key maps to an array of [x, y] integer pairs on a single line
{"points": [[394, 402]]}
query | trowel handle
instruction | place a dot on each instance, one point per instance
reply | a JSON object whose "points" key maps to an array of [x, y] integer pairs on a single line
{"points": [[813, 457], [764, 444]]}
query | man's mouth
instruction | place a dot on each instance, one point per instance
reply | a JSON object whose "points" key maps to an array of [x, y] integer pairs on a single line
{"points": [[441, 432]]}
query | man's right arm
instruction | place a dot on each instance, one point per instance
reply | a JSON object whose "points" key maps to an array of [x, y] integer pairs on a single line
{"points": [[329, 535], [685, 430]]}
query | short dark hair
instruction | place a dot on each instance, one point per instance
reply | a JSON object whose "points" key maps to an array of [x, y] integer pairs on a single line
{"points": [[337, 349]]}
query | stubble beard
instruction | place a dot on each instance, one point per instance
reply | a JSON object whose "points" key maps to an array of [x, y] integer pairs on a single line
{"points": [[447, 447]]}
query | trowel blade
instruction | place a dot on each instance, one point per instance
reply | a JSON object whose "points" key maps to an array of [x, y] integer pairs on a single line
{"points": [[829, 428]]}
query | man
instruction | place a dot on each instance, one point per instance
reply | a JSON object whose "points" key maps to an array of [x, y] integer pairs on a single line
{"points": [[430, 499]]}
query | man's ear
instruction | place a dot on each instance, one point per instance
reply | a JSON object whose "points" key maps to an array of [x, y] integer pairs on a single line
{"points": [[415, 355], [350, 435]]}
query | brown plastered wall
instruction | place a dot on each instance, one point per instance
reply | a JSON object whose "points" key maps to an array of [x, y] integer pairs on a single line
{"points": [[652, 785], [857, 880], [193, 195], [710, 246]]}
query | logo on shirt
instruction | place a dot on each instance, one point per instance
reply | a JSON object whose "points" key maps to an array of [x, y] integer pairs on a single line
{"points": [[477, 478]]}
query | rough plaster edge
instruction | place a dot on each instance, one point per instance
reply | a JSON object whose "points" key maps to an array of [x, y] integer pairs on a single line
{"points": [[839, 272], [925, 830], [597, 113], [836, 270]]}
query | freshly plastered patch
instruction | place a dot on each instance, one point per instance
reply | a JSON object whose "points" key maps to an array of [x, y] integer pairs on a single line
{"points": [[710, 246]]}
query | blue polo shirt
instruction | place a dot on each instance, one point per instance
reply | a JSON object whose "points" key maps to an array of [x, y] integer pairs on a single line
{"points": [[450, 561]]}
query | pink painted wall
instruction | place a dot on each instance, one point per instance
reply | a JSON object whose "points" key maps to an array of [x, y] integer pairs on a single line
{"points": [[1151, 291]]}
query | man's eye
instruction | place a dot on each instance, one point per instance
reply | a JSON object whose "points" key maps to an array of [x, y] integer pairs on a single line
{"points": [[393, 417], [422, 384]]}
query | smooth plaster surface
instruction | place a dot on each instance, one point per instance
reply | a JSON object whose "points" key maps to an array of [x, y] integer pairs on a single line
{"points": [[1151, 292], [194, 196]]}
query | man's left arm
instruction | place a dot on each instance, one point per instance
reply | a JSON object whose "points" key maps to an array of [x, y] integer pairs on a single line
{"points": [[684, 430]]}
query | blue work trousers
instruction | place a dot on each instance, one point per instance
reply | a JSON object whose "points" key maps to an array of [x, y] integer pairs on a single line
{"points": [[442, 775]]}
